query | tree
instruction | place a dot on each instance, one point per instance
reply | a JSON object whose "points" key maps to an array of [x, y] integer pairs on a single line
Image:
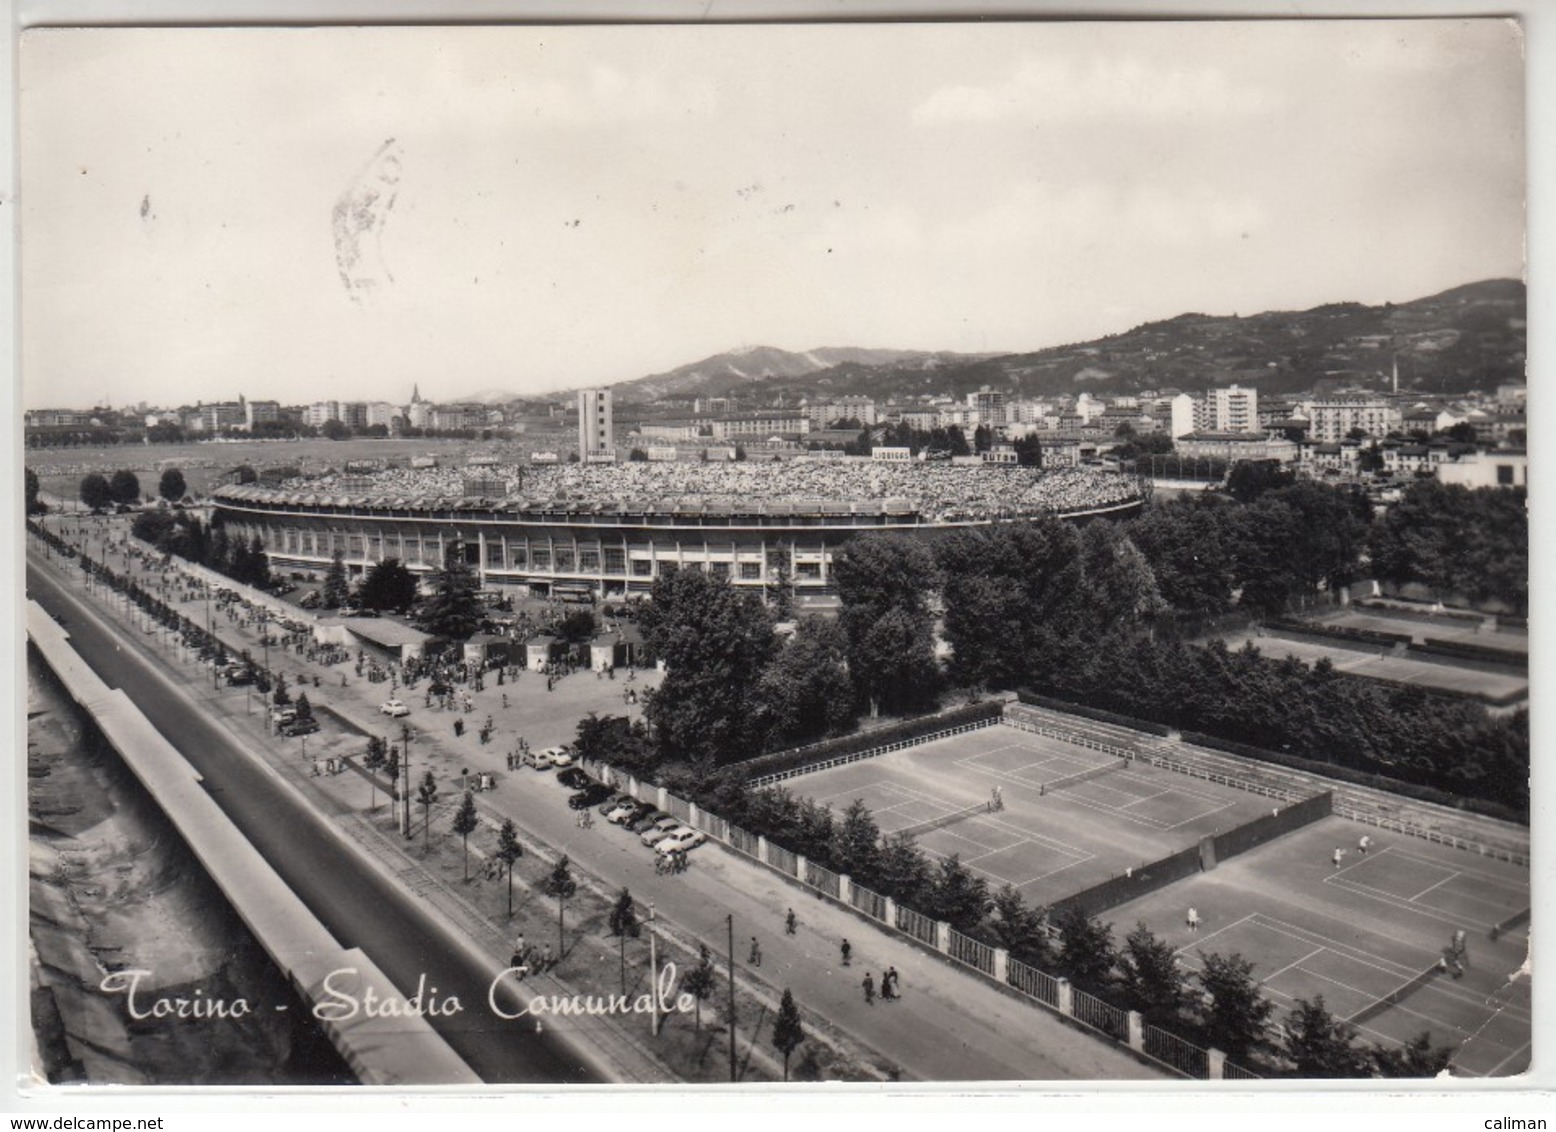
{"points": [[280, 697], [623, 923], [1416, 1058], [638, 456], [856, 843], [508, 851], [171, 486], [466, 822], [805, 691], [788, 1033], [1238, 1012], [958, 897], [560, 883], [427, 793], [388, 585], [377, 755], [125, 487], [245, 474], [884, 583], [453, 612], [259, 564], [700, 980], [304, 708], [714, 641], [903, 871], [1021, 930], [95, 492], [1151, 976], [1320, 1045], [336, 591], [576, 628], [1250, 479], [31, 492], [1029, 451], [1088, 954], [334, 430]]}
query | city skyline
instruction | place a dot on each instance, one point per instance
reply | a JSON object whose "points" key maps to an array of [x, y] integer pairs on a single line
{"points": [[542, 209]]}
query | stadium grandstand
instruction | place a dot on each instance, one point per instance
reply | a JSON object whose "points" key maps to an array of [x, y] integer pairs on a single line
{"points": [[614, 528]]}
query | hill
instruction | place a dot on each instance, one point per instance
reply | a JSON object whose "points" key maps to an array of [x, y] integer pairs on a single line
{"points": [[1467, 338]]}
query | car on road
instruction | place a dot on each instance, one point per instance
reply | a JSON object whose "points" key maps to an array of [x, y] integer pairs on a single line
{"points": [[573, 778], [560, 756], [237, 678], [630, 814], [300, 727], [661, 828], [395, 708], [680, 840], [281, 716], [619, 809], [539, 760], [588, 796]]}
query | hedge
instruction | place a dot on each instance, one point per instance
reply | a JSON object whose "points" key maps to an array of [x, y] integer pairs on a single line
{"points": [[1508, 657], [1057, 702], [1340, 632], [779, 761]]}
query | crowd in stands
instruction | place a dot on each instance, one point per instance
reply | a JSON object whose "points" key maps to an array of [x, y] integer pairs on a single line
{"points": [[936, 491]]}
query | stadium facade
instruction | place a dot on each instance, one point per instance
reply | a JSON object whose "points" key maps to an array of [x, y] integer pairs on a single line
{"points": [[572, 549]]}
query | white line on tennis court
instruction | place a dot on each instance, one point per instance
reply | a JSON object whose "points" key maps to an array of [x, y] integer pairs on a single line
{"points": [[1367, 958], [1202, 939], [1439, 884], [1423, 910], [1298, 963], [1496, 1069], [1479, 874]]}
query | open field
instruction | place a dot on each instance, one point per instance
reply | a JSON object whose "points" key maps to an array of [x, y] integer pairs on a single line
{"points": [[1356, 662], [1046, 845], [1441, 628], [1355, 933]]}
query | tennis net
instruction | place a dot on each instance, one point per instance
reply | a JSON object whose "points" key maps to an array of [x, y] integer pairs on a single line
{"points": [[1394, 997], [1084, 776], [942, 821]]}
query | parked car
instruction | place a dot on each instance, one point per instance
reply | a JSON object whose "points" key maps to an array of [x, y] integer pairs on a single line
{"points": [[239, 678], [573, 778], [641, 824], [280, 716], [560, 756], [539, 760], [588, 796], [680, 840], [616, 799], [395, 708], [300, 727], [635, 814], [660, 828], [619, 810]]}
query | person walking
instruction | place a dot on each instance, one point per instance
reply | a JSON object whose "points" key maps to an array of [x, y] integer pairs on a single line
{"points": [[1364, 844], [756, 953], [545, 958], [847, 951], [519, 955], [788, 923], [1339, 854], [1193, 919], [886, 988], [869, 990]]}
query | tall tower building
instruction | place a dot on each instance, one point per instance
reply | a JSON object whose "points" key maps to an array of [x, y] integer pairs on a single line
{"points": [[595, 433]]}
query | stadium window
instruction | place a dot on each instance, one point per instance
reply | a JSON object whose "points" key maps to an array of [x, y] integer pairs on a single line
{"points": [[719, 569], [494, 554], [566, 561], [642, 567], [808, 570], [540, 557], [518, 555], [750, 571], [615, 561], [589, 560]]}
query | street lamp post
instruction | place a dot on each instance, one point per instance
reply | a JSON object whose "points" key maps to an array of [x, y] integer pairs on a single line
{"points": [[730, 920], [653, 970]]}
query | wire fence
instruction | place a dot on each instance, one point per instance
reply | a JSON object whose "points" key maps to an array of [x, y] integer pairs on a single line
{"points": [[974, 953], [873, 752]]}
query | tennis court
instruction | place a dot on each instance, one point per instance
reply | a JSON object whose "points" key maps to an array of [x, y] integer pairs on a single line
{"points": [[1071, 816], [1437, 628], [1403, 669], [1368, 932]]}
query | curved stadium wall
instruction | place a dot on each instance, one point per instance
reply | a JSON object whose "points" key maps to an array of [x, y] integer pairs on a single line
{"points": [[550, 548]]}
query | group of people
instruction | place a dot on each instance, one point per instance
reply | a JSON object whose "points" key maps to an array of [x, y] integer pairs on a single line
{"points": [[936, 490]]}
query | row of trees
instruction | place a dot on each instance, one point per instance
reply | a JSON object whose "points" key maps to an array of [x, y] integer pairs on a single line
{"points": [[123, 488], [182, 534], [1457, 542]]}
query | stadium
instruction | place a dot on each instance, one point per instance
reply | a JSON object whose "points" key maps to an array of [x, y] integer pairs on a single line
{"points": [[581, 530]]}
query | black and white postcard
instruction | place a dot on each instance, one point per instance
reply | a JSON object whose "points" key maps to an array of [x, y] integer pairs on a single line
{"points": [[894, 553]]}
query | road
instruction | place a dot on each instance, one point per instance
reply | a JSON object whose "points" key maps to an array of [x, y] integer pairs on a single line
{"points": [[359, 906]]}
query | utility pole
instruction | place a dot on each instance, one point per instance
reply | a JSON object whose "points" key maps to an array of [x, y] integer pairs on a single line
{"points": [[653, 970], [730, 920], [405, 767]]}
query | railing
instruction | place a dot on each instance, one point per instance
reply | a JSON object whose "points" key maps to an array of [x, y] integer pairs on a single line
{"points": [[1234, 1072], [1169, 1049], [873, 752], [824, 879], [872, 904], [916, 924], [677, 807], [784, 861], [1381, 822], [1099, 1015], [1033, 983], [974, 953], [741, 841]]}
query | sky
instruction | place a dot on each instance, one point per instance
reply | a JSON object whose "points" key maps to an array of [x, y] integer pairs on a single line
{"points": [[300, 214]]}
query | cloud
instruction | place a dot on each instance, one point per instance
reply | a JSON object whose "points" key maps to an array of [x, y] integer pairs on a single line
{"points": [[1065, 90]]}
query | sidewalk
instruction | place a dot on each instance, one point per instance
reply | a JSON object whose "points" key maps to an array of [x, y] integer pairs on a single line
{"points": [[948, 1025]]}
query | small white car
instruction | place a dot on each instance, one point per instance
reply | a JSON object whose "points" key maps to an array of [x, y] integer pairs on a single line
{"points": [[395, 708], [560, 756], [618, 813], [661, 829], [540, 760], [680, 839]]}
